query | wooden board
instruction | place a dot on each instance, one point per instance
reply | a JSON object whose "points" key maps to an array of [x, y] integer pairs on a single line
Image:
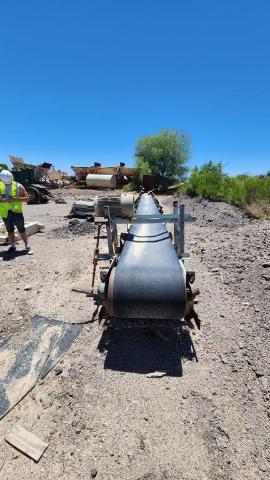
{"points": [[26, 442], [156, 374]]}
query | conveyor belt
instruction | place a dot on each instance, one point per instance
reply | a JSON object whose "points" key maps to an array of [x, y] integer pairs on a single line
{"points": [[148, 281]]}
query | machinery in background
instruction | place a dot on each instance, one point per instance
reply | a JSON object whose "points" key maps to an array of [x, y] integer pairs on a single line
{"points": [[33, 178], [120, 175], [83, 209], [120, 205], [96, 180]]}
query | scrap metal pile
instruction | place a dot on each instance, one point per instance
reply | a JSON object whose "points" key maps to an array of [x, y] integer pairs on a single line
{"points": [[146, 282]]}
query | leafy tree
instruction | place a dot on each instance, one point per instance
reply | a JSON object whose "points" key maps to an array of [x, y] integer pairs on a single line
{"points": [[164, 155], [3, 166]]}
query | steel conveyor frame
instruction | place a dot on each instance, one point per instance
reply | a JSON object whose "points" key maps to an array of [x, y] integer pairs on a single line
{"points": [[147, 279]]}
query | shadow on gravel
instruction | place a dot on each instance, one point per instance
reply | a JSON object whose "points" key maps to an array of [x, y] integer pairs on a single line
{"points": [[142, 351], [7, 257]]}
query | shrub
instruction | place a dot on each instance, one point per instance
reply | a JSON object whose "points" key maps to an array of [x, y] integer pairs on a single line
{"points": [[249, 192], [130, 187], [207, 182]]}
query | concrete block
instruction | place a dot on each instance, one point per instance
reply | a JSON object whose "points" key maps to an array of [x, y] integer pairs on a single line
{"points": [[30, 227]]}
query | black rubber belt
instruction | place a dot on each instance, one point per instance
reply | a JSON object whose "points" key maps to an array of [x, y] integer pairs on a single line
{"points": [[149, 281]]}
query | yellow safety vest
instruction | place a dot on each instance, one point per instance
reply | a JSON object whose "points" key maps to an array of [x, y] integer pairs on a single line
{"points": [[16, 207]]}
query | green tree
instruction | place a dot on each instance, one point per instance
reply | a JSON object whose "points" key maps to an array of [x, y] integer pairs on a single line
{"points": [[164, 155], [3, 166]]}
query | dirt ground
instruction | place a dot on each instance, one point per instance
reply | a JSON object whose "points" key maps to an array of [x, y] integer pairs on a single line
{"points": [[208, 419]]}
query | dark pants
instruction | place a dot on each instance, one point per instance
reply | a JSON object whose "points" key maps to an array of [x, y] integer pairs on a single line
{"points": [[14, 220]]}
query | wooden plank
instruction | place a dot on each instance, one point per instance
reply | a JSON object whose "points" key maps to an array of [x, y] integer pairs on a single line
{"points": [[26, 442]]}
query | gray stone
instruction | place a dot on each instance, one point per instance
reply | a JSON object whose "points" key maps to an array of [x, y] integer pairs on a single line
{"points": [[46, 401], [60, 200], [264, 383], [58, 371]]}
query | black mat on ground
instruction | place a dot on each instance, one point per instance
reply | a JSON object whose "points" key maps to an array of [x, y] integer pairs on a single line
{"points": [[24, 361]]}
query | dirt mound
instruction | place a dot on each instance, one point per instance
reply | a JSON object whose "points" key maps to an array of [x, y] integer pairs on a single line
{"points": [[74, 227], [212, 214]]}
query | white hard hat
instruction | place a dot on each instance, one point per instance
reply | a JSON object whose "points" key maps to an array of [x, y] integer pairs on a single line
{"points": [[6, 177]]}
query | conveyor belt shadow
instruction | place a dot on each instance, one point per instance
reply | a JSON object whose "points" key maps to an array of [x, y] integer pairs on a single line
{"points": [[141, 351]]}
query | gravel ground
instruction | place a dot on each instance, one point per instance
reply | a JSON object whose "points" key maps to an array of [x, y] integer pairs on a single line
{"points": [[103, 418]]}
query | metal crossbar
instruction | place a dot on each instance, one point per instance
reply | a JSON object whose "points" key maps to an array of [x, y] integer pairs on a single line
{"points": [[178, 218], [170, 218]]}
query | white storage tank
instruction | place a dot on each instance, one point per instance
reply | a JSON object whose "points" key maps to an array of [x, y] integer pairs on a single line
{"points": [[94, 180]]}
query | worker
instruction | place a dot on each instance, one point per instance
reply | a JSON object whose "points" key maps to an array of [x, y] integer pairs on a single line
{"points": [[12, 195]]}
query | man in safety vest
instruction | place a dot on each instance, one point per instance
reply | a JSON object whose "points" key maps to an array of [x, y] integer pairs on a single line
{"points": [[12, 194]]}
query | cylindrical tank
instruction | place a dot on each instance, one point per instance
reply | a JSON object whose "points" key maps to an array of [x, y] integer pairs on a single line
{"points": [[94, 180]]}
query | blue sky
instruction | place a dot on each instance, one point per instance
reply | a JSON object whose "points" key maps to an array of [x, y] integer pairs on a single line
{"points": [[82, 80]]}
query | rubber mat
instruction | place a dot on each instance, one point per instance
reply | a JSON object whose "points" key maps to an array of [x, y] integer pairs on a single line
{"points": [[24, 361]]}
